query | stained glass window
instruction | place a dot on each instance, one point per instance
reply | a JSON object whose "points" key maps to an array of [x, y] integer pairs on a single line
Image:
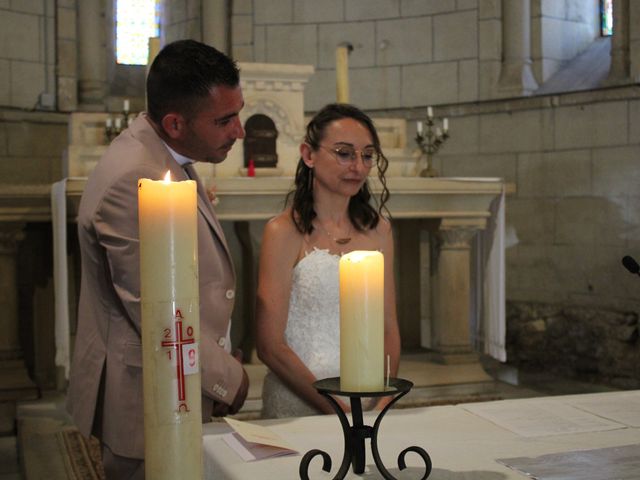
{"points": [[136, 21], [606, 17]]}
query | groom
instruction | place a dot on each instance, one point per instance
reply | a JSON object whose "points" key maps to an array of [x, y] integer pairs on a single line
{"points": [[194, 99]]}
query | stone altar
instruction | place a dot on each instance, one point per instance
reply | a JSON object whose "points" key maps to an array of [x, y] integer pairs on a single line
{"points": [[454, 210], [445, 213]]}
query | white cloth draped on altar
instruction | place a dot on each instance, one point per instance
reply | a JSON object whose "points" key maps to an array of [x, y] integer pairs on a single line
{"points": [[60, 275], [488, 330]]}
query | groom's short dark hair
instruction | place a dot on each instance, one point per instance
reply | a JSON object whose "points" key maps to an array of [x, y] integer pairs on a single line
{"points": [[183, 73]]}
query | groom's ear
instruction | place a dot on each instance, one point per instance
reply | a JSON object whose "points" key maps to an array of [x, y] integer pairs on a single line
{"points": [[306, 154], [174, 125]]}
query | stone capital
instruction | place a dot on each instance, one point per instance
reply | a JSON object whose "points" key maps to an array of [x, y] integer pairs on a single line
{"points": [[459, 238], [457, 233]]}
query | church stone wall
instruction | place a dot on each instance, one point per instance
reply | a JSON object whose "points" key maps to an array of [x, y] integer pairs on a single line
{"points": [[455, 48], [181, 19], [560, 30], [27, 54], [395, 43], [587, 344], [572, 160], [31, 146]]}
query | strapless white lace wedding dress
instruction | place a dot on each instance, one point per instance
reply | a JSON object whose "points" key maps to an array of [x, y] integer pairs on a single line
{"points": [[312, 332]]}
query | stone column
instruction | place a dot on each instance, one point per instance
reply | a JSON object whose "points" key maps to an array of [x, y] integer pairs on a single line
{"points": [[619, 70], [14, 380], [516, 76], [92, 82], [451, 295], [215, 24]]}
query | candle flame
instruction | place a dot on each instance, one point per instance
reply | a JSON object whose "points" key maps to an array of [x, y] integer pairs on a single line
{"points": [[167, 177]]}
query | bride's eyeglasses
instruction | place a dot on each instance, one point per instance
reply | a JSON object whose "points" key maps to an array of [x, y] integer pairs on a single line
{"points": [[347, 155]]}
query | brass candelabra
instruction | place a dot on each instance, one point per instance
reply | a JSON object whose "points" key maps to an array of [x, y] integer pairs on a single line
{"points": [[114, 125], [429, 141]]}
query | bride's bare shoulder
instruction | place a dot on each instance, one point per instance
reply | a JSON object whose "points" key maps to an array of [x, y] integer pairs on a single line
{"points": [[383, 229], [282, 229]]}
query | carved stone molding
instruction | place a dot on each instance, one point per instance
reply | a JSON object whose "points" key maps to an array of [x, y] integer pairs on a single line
{"points": [[276, 112], [274, 77], [273, 85]]}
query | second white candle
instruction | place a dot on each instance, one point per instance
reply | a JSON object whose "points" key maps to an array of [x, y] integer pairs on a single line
{"points": [[362, 321]]}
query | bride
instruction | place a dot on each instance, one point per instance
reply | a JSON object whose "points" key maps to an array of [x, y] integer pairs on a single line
{"points": [[298, 313]]}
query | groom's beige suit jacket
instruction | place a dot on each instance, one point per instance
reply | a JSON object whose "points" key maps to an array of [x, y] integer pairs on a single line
{"points": [[105, 389]]}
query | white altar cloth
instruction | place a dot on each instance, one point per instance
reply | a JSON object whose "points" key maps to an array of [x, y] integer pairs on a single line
{"points": [[60, 275], [462, 445]]}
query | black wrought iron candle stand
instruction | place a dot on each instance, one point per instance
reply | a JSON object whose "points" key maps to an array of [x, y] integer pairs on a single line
{"points": [[355, 435]]}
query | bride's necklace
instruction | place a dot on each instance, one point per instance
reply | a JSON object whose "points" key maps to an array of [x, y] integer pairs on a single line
{"points": [[339, 241]]}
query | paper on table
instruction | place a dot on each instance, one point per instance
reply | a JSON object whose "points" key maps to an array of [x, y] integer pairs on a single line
{"points": [[623, 407], [621, 463], [535, 419], [254, 442]]}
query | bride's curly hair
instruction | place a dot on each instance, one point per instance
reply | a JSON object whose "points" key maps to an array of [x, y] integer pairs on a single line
{"points": [[361, 213]]}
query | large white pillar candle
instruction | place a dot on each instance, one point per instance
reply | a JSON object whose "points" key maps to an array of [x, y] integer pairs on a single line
{"points": [[362, 321], [170, 329]]}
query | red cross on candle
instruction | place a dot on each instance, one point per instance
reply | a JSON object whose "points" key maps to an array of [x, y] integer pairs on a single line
{"points": [[177, 346]]}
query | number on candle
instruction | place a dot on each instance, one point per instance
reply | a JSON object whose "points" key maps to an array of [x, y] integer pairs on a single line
{"points": [[190, 352]]}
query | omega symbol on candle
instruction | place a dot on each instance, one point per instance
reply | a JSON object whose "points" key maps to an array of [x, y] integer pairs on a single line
{"points": [[185, 350]]}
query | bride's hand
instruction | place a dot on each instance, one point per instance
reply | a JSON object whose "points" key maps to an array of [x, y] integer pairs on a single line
{"points": [[344, 406], [383, 402]]}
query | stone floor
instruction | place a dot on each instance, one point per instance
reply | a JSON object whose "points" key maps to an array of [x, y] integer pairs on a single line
{"points": [[33, 452]]}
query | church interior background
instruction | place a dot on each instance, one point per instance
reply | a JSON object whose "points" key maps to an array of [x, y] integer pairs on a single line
{"points": [[535, 97]]}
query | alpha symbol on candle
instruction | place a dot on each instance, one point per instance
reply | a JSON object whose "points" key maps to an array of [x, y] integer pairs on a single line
{"points": [[177, 346]]}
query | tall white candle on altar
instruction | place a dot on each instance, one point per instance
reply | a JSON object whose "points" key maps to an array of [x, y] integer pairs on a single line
{"points": [[362, 321], [170, 329], [342, 74], [154, 49]]}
